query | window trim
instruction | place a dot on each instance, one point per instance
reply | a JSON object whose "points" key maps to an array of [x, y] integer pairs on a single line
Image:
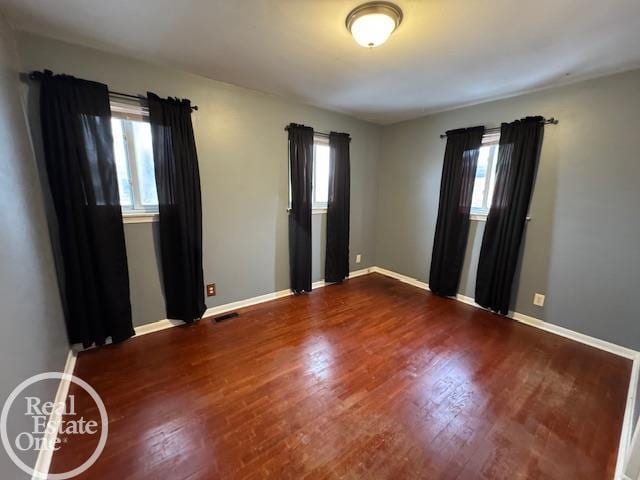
{"points": [[475, 217], [318, 206], [139, 217], [129, 111], [314, 211], [492, 140], [137, 212]]}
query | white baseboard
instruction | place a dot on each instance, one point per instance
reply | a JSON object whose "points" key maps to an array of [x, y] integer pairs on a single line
{"points": [[627, 433], [228, 307], [577, 336], [398, 276], [520, 317], [526, 319], [627, 427], [156, 326], [562, 331], [43, 462], [627, 423], [354, 274]]}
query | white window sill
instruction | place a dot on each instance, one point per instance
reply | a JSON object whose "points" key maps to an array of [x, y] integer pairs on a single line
{"points": [[478, 217], [139, 217], [314, 211]]}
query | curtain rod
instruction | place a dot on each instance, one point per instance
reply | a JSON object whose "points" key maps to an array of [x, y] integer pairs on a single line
{"points": [[546, 121], [36, 75], [320, 134], [141, 98]]}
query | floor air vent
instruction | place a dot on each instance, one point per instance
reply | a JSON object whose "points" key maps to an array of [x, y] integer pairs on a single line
{"points": [[226, 316]]}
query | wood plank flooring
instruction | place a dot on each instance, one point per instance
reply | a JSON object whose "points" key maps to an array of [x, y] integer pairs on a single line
{"points": [[369, 379]]}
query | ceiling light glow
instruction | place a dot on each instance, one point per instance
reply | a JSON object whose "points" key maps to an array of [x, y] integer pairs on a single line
{"points": [[372, 23]]}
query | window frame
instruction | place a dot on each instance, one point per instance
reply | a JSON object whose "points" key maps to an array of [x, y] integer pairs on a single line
{"points": [[491, 140], [137, 212], [318, 207]]}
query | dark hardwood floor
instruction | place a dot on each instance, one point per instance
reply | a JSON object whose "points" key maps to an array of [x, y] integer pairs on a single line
{"points": [[369, 379]]}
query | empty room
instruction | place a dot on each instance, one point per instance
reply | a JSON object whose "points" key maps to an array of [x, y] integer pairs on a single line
{"points": [[319, 239]]}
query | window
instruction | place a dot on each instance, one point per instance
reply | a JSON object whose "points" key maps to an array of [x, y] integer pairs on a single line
{"points": [[320, 189], [320, 179], [134, 159], [485, 175]]}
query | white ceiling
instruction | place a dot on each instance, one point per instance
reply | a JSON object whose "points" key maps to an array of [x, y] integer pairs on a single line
{"points": [[446, 53]]}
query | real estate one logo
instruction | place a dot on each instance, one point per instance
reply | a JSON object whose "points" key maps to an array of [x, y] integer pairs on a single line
{"points": [[48, 422]]}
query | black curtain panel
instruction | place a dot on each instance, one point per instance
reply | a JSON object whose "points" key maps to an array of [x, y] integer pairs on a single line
{"points": [[300, 173], [518, 154], [81, 170], [180, 207], [336, 267], [452, 225]]}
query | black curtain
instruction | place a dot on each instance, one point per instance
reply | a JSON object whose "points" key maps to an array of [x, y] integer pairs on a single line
{"points": [[180, 207], [336, 267], [81, 170], [300, 172], [452, 225], [518, 154]]}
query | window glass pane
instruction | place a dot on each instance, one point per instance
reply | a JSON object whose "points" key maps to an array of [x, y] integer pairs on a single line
{"points": [[492, 176], [321, 174], [122, 163], [144, 159], [481, 179]]}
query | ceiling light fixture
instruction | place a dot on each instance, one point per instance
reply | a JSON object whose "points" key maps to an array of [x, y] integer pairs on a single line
{"points": [[372, 23]]}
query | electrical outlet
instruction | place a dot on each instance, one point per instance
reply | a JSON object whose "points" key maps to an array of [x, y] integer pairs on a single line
{"points": [[358, 258], [211, 290], [538, 299]]}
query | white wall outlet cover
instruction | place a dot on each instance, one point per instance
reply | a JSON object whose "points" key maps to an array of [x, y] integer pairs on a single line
{"points": [[538, 299], [358, 258]]}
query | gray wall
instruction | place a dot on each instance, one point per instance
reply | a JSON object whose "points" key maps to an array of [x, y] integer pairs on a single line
{"points": [[582, 246], [242, 148], [32, 331]]}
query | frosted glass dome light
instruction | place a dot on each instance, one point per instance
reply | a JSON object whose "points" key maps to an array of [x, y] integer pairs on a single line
{"points": [[372, 23]]}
